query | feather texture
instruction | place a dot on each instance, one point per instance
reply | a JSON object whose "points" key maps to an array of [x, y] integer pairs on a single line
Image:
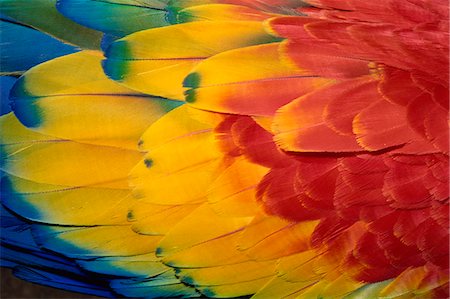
{"points": [[227, 148]]}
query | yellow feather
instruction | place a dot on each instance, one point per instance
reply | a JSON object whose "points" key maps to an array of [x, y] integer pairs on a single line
{"points": [[202, 226]]}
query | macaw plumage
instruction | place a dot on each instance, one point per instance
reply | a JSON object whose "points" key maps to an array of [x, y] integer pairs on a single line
{"points": [[226, 148]]}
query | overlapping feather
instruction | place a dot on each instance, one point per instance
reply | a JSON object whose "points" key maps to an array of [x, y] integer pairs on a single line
{"points": [[285, 149]]}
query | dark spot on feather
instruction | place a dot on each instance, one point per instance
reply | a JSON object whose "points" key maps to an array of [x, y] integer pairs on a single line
{"points": [[148, 163], [192, 80], [172, 15], [190, 96], [130, 215], [208, 292]]}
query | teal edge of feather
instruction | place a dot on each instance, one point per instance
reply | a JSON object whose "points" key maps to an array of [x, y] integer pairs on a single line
{"points": [[191, 81], [173, 15], [115, 64], [24, 105], [166, 105]]}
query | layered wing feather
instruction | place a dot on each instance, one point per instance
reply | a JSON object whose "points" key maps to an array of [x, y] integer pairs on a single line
{"points": [[306, 155]]}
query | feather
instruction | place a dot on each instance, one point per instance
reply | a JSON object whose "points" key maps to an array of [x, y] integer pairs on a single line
{"points": [[43, 15], [226, 148], [135, 63], [118, 18], [17, 55], [49, 94], [241, 91]]}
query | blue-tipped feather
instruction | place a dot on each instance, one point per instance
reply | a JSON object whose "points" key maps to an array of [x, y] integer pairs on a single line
{"points": [[125, 266], [118, 19], [23, 105], [6, 83], [164, 285], [39, 259], [116, 68], [19, 247], [16, 232], [48, 236], [16, 201]]}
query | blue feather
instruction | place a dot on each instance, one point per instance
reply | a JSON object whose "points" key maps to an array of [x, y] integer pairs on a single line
{"points": [[6, 83], [117, 19], [87, 285], [24, 47]]}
